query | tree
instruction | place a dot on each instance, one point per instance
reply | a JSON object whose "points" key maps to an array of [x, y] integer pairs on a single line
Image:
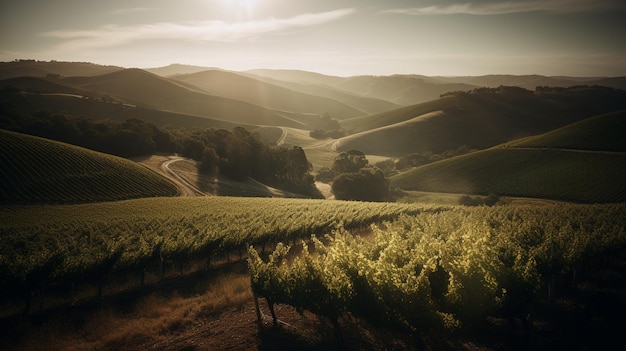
{"points": [[368, 184], [349, 162], [209, 162]]}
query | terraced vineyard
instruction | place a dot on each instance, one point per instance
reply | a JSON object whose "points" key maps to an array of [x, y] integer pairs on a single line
{"points": [[37, 170]]}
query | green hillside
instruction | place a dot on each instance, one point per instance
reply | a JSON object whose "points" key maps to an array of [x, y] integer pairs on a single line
{"points": [[37, 170], [236, 86], [364, 123], [478, 119], [603, 133], [570, 163], [553, 174]]}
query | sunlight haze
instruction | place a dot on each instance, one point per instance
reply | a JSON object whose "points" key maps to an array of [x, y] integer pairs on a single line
{"points": [[450, 37]]}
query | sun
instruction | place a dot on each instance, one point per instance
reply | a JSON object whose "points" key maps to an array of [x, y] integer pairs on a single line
{"points": [[245, 7]]}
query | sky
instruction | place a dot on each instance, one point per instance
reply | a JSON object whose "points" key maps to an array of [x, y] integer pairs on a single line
{"points": [[344, 38]]}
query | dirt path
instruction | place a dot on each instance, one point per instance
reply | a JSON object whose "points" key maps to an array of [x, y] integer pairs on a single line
{"points": [[283, 136], [187, 189], [161, 165]]}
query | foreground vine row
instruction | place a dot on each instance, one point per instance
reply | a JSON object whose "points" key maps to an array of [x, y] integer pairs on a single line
{"points": [[443, 270], [54, 246]]}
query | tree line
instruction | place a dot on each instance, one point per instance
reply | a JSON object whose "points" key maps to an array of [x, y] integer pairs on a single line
{"points": [[237, 153]]}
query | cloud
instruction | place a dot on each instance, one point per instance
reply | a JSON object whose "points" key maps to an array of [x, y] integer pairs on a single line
{"points": [[209, 31], [507, 7]]}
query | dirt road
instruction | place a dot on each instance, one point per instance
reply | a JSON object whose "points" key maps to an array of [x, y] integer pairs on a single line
{"points": [[161, 165]]}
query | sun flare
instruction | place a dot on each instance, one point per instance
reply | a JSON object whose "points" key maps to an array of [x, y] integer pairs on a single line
{"points": [[245, 7]]}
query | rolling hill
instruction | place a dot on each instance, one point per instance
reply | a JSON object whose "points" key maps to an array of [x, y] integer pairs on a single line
{"points": [[537, 166], [399, 89], [297, 76], [369, 105], [600, 133], [533, 81], [480, 119], [244, 88], [65, 102], [32, 68], [145, 89], [36, 170]]}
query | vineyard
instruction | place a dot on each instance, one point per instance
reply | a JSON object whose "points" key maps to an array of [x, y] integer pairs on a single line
{"points": [[569, 175], [36, 170], [418, 269], [437, 272], [62, 246]]}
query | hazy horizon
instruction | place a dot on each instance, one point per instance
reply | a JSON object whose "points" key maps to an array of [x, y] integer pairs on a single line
{"points": [[367, 37]]}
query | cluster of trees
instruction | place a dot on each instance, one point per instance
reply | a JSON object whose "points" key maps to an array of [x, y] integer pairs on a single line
{"points": [[353, 178], [392, 166], [131, 138], [323, 134], [240, 154], [237, 154], [327, 127]]}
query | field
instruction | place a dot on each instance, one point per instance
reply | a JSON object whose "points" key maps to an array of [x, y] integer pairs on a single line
{"points": [[581, 162], [56, 246], [188, 304], [516, 244], [542, 173]]}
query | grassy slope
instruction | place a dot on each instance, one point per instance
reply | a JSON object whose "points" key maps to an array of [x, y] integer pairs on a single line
{"points": [[369, 105], [141, 87], [399, 89], [561, 164], [37, 170], [602, 133], [96, 109], [478, 120], [236, 86], [364, 123]]}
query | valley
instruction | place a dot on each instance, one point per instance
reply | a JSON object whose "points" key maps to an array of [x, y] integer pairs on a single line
{"points": [[151, 208]]}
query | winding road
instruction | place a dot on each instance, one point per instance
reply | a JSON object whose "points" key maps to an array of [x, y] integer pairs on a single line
{"points": [[185, 187]]}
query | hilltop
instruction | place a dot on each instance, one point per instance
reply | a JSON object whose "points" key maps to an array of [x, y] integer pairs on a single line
{"points": [[33, 68]]}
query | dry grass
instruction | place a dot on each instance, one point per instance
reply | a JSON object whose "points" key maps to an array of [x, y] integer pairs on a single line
{"points": [[148, 319]]}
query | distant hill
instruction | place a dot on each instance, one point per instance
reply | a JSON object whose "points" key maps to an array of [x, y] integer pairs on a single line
{"points": [[177, 69], [533, 81], [235, 86], [151, 91], [297, 76], [32, 68], [399, 89], [41, 85], [362, 103], [537, 166], [36, 170], [24, 103], [480, 119]]}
